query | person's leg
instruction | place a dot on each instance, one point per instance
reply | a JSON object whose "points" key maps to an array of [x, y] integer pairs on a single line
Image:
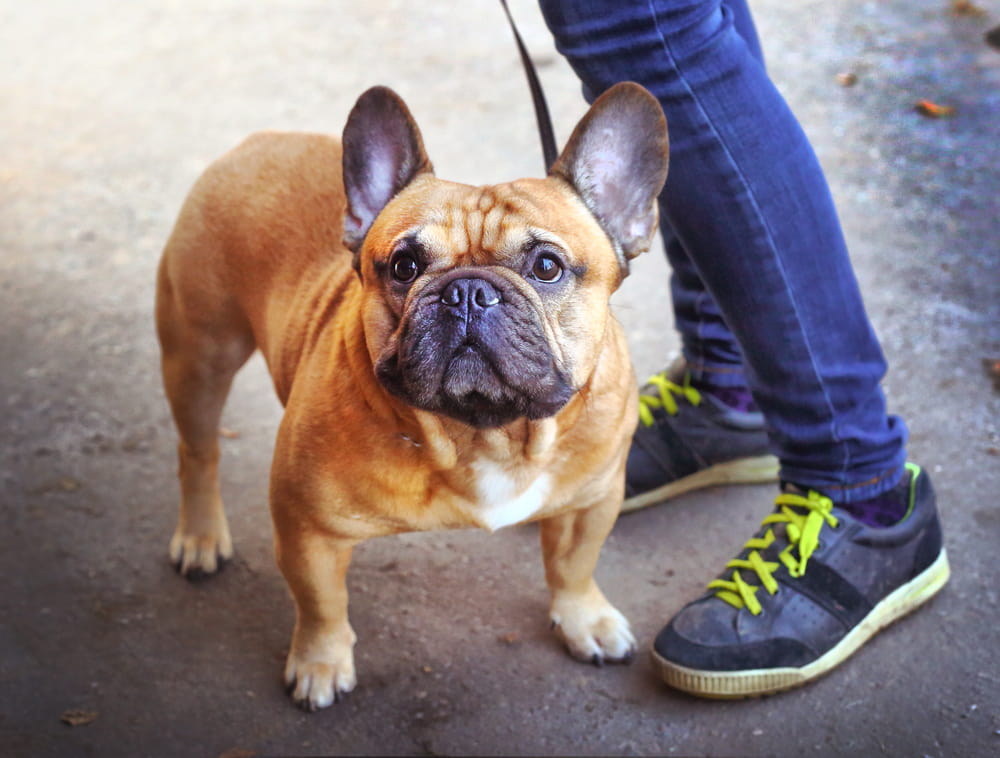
{"points": [[711, 354], [747, 201], [752, 215], [699, 425]]}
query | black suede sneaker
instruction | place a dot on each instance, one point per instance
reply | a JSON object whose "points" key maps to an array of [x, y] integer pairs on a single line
{"points": [[688, 439], [811, 587]]}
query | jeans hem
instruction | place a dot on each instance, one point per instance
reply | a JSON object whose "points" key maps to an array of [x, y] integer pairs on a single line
{"points": [[842, 493], [715, 375]]}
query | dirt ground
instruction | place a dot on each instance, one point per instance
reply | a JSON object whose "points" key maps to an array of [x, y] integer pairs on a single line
{"points": [[109, 112]]}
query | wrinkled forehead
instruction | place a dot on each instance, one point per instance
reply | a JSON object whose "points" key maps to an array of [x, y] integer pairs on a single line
{"points": [[495, 220]]}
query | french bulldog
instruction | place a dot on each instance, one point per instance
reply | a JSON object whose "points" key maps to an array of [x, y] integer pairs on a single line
{"points": [[445, 354]]}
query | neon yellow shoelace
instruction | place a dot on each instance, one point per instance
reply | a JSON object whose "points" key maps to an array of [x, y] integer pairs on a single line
{"points": [[666, 399], [803, 525]]}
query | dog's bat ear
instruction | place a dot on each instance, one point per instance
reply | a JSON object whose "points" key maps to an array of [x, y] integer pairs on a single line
{"points": [[616, 160], [382, 153]]}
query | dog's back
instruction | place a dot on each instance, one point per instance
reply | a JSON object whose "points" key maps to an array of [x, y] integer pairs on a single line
{"points": [[243, 258]]}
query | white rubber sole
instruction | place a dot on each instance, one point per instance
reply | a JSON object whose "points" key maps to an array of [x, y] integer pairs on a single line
{"points": [[757, 470], [743, 684]]}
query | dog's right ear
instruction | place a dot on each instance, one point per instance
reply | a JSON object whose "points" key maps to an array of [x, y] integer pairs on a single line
{"points": [[382, 153]]}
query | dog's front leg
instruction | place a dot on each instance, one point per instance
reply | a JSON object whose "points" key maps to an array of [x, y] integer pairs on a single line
{"points": [[320, 666], [592, 629]]}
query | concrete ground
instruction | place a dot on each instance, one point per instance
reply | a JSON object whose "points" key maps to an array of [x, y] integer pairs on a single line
{"points": [[108, 111]]}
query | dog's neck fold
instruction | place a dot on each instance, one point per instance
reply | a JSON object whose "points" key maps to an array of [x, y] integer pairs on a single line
{"points": [[531, 440]]}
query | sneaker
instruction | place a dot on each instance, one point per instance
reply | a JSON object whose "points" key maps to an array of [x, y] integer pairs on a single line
{"points": [[687, 439], [811, 587]]}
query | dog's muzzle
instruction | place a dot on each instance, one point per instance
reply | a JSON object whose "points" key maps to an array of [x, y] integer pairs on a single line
{"points": [[473, 347]]}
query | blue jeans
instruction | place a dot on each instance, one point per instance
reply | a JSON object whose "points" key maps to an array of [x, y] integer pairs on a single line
{"points": [[763, 290]]}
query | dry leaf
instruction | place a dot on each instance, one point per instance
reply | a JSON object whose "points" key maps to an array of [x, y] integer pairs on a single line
{"points": [[510, 638], [847, 79], [78, 717], [966, 8], [934, 110], [992, 366]]}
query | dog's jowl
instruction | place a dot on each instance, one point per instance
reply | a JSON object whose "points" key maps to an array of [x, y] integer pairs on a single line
{"points": [[445, 354]]}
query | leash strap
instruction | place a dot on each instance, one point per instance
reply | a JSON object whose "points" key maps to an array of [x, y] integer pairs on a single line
{"points": [[545, 131]]}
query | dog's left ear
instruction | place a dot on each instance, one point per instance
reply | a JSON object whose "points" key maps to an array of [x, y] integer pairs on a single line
{"points": [[616, 160], [382, 153]]}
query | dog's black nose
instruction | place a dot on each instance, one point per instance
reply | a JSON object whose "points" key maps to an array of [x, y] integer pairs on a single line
{"points": [[471, 294]]}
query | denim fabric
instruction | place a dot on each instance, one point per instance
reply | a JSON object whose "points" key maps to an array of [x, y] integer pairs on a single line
{"points": [[763, 289]]}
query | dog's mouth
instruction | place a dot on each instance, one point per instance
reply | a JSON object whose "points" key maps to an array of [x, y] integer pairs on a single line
{"points": [[485, 364]]}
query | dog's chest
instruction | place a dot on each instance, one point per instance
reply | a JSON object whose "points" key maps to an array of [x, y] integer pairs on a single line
{"points": [[501, 500]]}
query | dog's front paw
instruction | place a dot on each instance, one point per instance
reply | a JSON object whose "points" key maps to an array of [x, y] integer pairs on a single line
{"points": [[592, 629], [318, 685], [196, 555], [319, 681]]}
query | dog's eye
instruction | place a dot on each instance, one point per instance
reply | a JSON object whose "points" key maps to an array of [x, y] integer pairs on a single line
{"points": [[405, 268], [547, 268]]}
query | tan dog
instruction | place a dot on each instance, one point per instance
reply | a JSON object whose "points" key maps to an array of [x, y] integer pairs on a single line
{"points": [[461, 368]]}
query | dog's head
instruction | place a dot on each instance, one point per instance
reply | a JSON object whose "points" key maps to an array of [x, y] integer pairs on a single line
{"points": [[489, 304]]}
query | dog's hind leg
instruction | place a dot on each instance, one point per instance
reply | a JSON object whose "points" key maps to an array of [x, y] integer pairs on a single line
{"points": [[200, 357]]}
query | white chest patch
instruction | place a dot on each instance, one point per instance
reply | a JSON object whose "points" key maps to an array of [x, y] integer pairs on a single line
{"points": [[500, 504]]}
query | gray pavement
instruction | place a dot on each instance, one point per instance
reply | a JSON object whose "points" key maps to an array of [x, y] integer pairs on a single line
{"points": [[108, 111]]}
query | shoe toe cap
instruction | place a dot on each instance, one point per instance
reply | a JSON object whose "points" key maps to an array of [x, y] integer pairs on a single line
{"points": [[705, 637]]}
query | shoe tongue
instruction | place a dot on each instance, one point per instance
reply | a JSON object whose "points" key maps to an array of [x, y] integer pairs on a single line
{"points": [[779, 529]]}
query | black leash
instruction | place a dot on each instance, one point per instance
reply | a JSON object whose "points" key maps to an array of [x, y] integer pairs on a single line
{"points": [[545, 131]]}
